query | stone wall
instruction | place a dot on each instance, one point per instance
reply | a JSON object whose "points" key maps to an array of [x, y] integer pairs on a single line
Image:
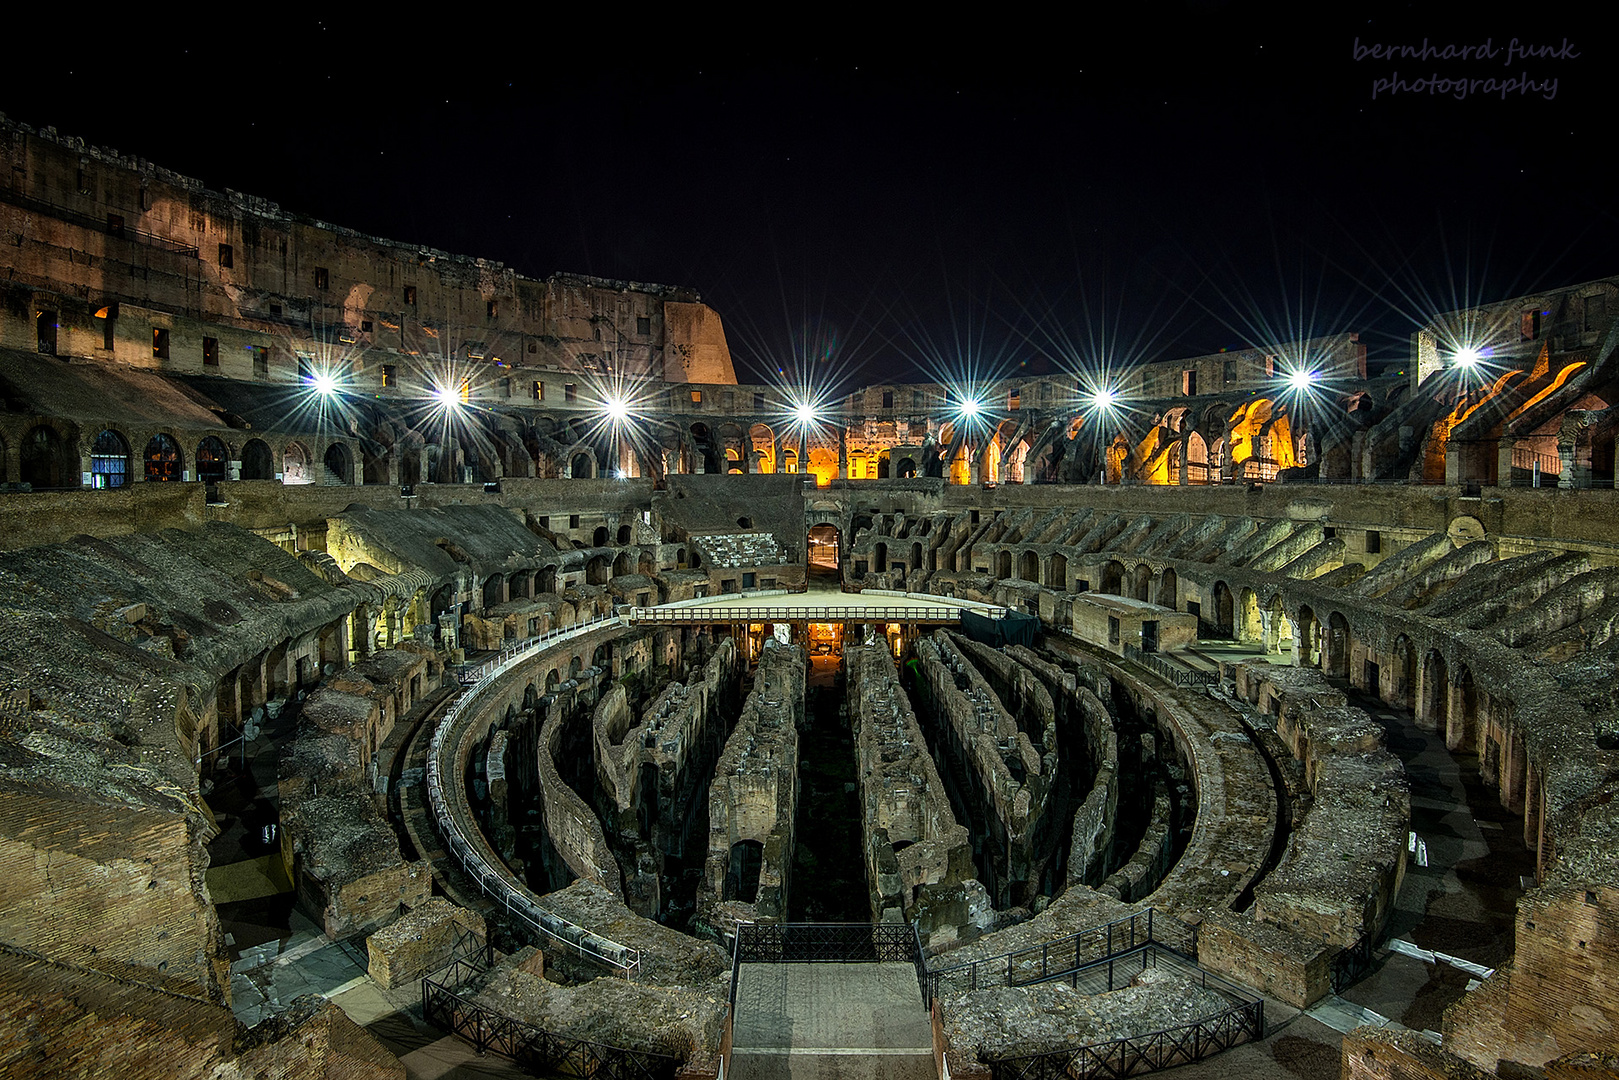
{"points": [[422, 941], [918, 858], [754, 796]]}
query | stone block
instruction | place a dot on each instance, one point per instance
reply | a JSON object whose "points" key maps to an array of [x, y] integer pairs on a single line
{"points": [[420, 942]]}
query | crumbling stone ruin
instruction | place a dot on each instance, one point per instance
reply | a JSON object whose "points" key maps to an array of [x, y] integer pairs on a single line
{"points": [[753, 801], [185, 560]]}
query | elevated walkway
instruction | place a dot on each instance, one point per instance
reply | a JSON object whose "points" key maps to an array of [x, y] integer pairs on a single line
{"points": [[821, 606], [828, 1000]]}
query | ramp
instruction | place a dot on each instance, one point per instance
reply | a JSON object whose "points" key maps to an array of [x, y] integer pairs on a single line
{"points": [[820, 1021]]}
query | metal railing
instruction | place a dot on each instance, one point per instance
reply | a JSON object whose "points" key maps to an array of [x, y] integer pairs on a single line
{"points": [[101, 225], [787, 612], [1164, 1049], [828, 943], [1062, 956], [825, 943], [1180, 676], [1348, 966], [539, 1051], [472, 676], [492, 881]]}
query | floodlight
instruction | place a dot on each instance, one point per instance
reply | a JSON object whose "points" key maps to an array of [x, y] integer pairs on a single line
{"points": [[971, 407], [804, 414], [1104, 399], [1301, 379], [616, 408], [323, 383], [1468, 356]]}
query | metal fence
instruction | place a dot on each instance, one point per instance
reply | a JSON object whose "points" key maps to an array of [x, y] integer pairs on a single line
{"points": [[1180, 676], [496, 882], [1062, 956], [1156, 1050], [535, 1049], [1348, 966], [827, 943], [791, 612]]}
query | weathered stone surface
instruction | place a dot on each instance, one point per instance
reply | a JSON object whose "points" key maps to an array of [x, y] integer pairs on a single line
{"points": [[420, 942]]}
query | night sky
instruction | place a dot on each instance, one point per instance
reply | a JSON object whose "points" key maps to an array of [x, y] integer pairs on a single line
{"points": [[929, 197]]}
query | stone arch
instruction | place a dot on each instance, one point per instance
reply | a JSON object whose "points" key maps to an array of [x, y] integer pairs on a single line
{"points": [[1433, 693], [1142, 582], [43, 458], [162, 460], [295, 464], [1112, 578], [824, 547], [258, 462], [109, 460], [1003, 565], [1225, 620], [598, 538], [1461, 711], [338, 464], [905, 469], [1399, 684], [1028, 568], [581, 464], [1197, 459], [1168, 586], [374, 461], [213, 460], [1057, 572], [494, 590], [1335, 649]]}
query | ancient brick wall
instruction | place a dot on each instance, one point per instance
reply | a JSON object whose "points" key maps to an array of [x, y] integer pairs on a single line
{"points": [[108, 887]]}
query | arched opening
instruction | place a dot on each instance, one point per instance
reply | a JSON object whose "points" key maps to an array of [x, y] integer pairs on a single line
{"points": [[1057, 572], [879, 558], [823, 549], [1168, 585], [1113, 578], [598, 571], [1028, 567], [1335, 650], [295, 465], [410, 466], [258, 463], [162, 460], [1461, 712], [906, 469], [624, 564], [42, 462], [582, 466], [742, 879], [624, 534], [213, 460], [599, 537], [1143, 583], [1434, 700], [1197, 459], [494, 589], [1003, 565], [1225, 624], [339, 464], [109, 461], [1400, 684], [374, 463]]}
